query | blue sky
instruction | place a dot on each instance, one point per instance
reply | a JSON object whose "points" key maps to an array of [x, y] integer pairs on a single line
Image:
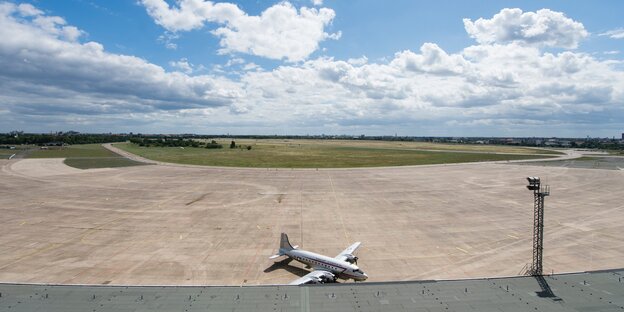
{"points": [[488, 68]]}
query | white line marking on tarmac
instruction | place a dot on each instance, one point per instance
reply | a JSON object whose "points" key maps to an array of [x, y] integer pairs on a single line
{"points": [[462, 250]]}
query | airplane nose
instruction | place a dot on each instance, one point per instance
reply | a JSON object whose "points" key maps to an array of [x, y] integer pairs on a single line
{"points": [[365, 276]]}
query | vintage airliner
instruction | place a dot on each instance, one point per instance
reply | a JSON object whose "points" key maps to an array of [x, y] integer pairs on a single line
{"points": [[326, 269]]}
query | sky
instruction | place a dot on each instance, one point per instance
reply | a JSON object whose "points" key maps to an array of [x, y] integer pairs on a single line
{"points": [[401, 67]]}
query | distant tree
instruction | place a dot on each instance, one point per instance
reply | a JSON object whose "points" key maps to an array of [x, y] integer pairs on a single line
{"points": [[249, 147], [214, 144], [233, 144]]}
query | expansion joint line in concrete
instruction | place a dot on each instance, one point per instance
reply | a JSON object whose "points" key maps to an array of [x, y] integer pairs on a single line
{"points": [[344, 228]]}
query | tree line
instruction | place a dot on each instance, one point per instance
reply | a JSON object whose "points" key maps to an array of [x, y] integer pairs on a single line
{"points": [[173, 142], [67, 139]]}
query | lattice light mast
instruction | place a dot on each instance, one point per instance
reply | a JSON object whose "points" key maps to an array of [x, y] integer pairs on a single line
{"points": [[539, 192]]}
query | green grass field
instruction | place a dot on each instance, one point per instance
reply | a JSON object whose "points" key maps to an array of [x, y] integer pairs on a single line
{"points": [[86, 150], [6, 153], [325, 154], [100, 162], [396, 145], [85, 156]]}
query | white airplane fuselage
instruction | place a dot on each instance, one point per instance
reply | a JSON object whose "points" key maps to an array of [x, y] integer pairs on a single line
{"points": [[340, 268]]}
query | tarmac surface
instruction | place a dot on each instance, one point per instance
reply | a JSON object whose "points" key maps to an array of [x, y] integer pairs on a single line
{"points": [[602, 162], [182, 225]]}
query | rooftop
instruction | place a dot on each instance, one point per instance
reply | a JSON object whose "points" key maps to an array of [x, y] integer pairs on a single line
{"points": [[589, 291]]}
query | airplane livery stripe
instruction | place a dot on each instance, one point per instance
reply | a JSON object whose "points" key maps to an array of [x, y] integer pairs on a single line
{"points": [[329, 264]]}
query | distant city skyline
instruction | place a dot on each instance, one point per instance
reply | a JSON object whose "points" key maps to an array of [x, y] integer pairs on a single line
{"points": [[484, 69]]}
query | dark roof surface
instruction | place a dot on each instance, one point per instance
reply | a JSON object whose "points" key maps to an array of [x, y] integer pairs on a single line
{"points": [[590, 291]]}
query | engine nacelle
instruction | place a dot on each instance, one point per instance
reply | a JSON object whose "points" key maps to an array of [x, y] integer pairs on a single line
{"points": [[327, 279], [351, 259]]}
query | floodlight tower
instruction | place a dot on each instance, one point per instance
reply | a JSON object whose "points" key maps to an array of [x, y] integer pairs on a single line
{"points": [[539, 192]]}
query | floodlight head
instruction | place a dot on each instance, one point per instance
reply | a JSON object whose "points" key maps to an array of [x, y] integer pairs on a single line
{"points": [[533, 180]]}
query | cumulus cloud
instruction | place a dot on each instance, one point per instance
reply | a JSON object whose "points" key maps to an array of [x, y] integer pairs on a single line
{"points": [[182, 65], [41, 62], [279, 32], [50, 25], [511, 84], [543, 28], [432, 59], [358, 61], [614, 33], [251, 66]]}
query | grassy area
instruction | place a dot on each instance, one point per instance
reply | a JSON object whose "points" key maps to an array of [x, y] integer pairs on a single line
{"points": [[86, 150], [101, 162], [85, 156], [314, 154], [397, 145], [6, 153]]}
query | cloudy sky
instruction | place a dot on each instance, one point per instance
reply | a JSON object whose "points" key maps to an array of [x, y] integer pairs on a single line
{"points": [[488, 68]]}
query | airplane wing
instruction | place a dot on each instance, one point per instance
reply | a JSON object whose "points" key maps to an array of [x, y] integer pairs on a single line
{"points": [[347, 254], [315, 277]]}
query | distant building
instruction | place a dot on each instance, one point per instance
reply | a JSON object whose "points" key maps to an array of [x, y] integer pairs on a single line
{"points": [[622, 135]]}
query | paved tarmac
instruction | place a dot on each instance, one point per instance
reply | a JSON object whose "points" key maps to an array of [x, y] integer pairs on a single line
{"points": [[176, 225]]}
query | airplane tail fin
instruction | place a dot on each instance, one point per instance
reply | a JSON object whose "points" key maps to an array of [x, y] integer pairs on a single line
{"points": [[285, 246]]}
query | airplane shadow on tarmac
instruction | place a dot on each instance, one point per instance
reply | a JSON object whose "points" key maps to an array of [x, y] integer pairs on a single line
{"points": [[284, 265]]}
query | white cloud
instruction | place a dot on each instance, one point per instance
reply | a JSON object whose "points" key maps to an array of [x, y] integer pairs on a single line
{"points": [[317, 2], [168, 39], [27, 9], [543, 28], [251, 66], [431, 60], [234, 61], [358, 61], [190, 14], [45, 70], [614, 33], [279, 32], [182, 65], [51, 25]]}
